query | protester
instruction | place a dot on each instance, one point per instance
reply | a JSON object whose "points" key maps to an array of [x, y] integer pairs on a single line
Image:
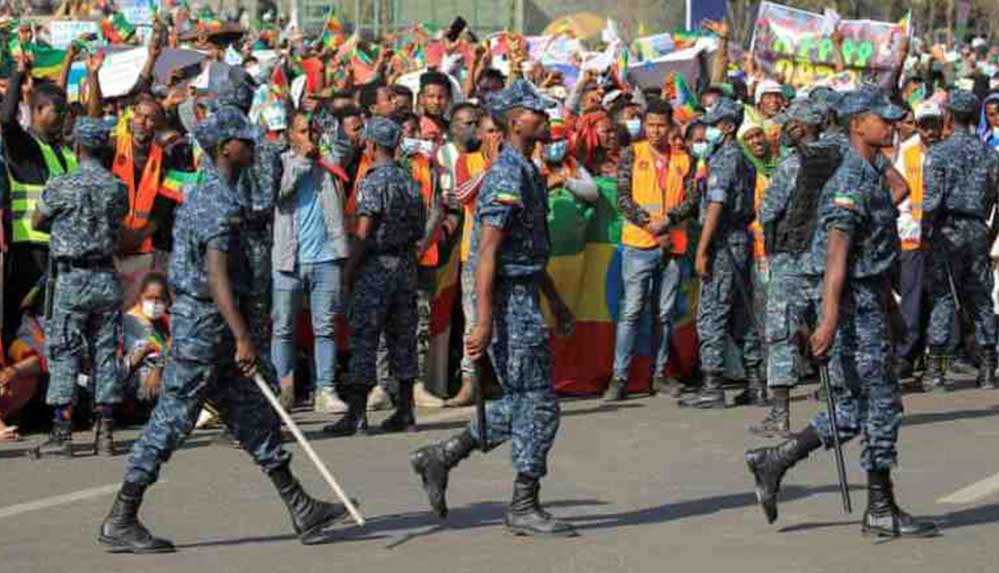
{"points": [[147, 339]]}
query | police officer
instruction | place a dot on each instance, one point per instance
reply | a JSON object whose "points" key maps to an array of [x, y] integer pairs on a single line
{"points": [[212, 350], [723, 263], [510, 253], [961, 177], [854, 246], [84, 209], [382, 274], [787, 214]]}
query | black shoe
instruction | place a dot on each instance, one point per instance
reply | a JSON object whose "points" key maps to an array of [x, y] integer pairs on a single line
{"points": [[525, 516], [778, 420], [402, 420], [433, 463], [711, 395], [987, 369], [936, 372], [356, 418], [309, 516], [122, 532], [59, 443], [883, 518], [616, 391], [768, 466], [104, 437]]}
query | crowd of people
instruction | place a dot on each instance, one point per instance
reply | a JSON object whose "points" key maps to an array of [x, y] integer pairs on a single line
{"points": [[161, 242]]}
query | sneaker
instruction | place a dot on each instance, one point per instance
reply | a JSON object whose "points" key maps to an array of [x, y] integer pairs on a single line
{"points": [[378, 399], [424, 399], [327, 402]]}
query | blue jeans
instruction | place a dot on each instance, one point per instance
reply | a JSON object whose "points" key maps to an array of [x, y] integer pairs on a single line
{"points": [[322, 283], [649, 275]]}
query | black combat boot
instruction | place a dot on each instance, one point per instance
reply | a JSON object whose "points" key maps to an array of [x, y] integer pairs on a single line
{"points": [[104, 436], [768, 466], [402, 420], [617, 391], [432, 463], [936, 372], [308, 516], [778, 420], [356, 418], [666, 386], [122, 532], [755, 393], [883, 518], [525, 516], [987, 368], [711, 394], [59, 443]]}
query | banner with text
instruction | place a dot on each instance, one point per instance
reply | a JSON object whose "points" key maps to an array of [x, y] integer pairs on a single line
{"points": [[794, 46]]}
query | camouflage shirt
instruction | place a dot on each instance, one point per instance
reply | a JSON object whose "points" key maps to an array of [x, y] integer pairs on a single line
{"points": [[86, 208], [960, 178], [389, 195]]}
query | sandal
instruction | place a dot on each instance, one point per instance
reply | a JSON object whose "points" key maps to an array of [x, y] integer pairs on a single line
{"points": [[9, 434]]}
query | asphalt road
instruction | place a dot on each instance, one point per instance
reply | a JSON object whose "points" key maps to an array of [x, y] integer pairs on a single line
{"points": [[650, 486]]}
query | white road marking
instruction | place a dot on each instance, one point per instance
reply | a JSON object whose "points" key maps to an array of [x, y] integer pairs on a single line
{"points": [[47, 502], [987, 487]]}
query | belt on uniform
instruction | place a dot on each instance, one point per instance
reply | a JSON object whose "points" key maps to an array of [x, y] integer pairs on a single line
{"points": [[86, 263], [532, 278]]}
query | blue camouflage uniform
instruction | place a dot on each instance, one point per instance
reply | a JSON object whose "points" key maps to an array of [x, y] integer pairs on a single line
{"points": [[793, 289], [384, 292], [86, 209], [961, 178], [722, 311], [514, 198], [856, 201], [202, 362]]}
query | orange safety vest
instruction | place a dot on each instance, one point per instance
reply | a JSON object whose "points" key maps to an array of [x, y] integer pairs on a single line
{"points": [[657, 189], [912, 162], [141, 197], [421, 170], [759, 248], [468, 166], [350, 209]]}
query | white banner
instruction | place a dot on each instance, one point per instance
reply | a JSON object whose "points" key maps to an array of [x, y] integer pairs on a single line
{"points": [[120, 71], [63, 32]]}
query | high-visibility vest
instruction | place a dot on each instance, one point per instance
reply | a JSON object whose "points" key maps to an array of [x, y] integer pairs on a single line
{"points": [[420, 168], [469, 165], [912, 161], [760, 189], [24, 196], [350, 208], [142, 196], [656, 190]]}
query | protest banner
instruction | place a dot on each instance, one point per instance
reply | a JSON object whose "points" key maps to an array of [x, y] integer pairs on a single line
{"points": [[120, 71], [138, 12], [652, 47], [650, 73], [790, 46], [63, 32]]}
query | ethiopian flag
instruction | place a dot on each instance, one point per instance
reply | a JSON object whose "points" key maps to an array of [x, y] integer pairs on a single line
{"points": [[175, 181], [333, 34], [585, 265], [117, 29], [47, 62]]}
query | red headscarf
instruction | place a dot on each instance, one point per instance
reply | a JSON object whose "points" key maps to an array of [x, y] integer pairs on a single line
{"points": [[587, 142]]}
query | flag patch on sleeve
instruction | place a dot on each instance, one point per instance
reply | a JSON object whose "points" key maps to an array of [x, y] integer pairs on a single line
{"points": [[511, 199], [845, 201]]}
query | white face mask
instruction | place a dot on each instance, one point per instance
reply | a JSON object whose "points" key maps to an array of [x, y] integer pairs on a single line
{"points": [[412, 146], [153, 309]]}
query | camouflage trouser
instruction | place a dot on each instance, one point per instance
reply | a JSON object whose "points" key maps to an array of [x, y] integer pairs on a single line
{"points": [[965, 246], [424, 298], [791, 305], [383, 300], [528, 412], [468, 309], [85, 329], [722, 312], [201, 367], [868, 399]]}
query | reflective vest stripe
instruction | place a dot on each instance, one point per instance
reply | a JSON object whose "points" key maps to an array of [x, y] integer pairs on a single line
{"points": [[24, 196]]}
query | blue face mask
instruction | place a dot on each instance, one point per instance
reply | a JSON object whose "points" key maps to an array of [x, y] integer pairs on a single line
{"points": [[634, 127], [701, 149], [556, 151], [714, 135]]}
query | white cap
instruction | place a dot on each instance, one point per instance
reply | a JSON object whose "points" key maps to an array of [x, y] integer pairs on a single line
{"points": [[768, 87], [927, 109]]}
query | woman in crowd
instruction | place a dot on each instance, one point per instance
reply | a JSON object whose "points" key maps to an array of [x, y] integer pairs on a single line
{"points": [[147, 339]]}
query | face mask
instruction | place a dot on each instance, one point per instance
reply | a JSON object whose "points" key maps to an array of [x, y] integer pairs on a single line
{"points": [[634, 127], [556, 151], [111, 120], [153, 309], [714, 135], [700, 149]]}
